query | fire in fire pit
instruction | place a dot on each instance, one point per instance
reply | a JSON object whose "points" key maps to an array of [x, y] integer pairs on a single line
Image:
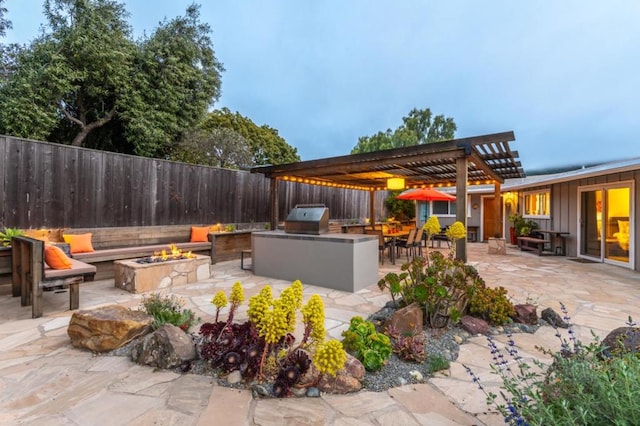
{"points": [[174, 253]]}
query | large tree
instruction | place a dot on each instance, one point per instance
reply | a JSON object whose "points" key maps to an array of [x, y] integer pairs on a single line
{"points": [[5, 24], [85, 81], [219, 147], [419, 127], [266, 146]]}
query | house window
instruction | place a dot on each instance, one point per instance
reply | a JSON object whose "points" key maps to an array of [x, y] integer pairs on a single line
{"points": [[537, 204], [448, 208]]}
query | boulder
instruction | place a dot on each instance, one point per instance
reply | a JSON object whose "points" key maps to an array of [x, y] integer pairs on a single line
{"points": [[340, 384], [622, 339], [167, 347], [107, 328], [526, 314], [473, 325], [347, 380], [553, 318], [407, 320]]}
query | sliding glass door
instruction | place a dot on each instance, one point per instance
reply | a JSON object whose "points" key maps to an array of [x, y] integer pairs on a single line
{"points": [[606, 223]]}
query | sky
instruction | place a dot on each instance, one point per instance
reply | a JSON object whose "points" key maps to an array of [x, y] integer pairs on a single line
{"points": [[564, 76]]}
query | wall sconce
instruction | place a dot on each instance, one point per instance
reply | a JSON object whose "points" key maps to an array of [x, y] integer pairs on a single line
{"points": [[475, 206], [510, 198], [395, 183]]}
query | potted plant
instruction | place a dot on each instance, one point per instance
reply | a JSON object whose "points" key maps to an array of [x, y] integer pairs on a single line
{"points": [[5, 237], [517, 222]]}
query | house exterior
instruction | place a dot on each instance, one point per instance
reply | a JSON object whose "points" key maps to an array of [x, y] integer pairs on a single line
{"points": [[596, 206]]}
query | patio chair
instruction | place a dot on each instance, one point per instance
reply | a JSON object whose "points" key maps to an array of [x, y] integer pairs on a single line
{"points": [[408, 245], [382, 243], [417, 243]]}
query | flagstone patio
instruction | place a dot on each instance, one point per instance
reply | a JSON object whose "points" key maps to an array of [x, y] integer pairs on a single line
{"points": [[44, 380]]}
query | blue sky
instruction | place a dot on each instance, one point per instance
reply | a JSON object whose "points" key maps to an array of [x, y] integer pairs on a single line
{"points": [[563, 75]]}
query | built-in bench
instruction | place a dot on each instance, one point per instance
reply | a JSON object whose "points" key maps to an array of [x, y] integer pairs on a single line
{"points": [[532, 244], [30, 275]]}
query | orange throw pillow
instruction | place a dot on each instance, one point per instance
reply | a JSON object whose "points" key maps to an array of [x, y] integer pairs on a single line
{"points": [[80, 243], [199, 234], [55, 257]]}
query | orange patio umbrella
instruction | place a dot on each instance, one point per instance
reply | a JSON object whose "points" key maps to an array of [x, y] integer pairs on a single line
{"points": [[425, 194]]}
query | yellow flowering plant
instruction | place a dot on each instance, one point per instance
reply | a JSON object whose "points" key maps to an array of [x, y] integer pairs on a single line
{"points": [[219, 301]]}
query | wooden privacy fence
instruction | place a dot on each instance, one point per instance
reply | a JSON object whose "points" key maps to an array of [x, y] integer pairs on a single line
{"points": [[51, 185]]}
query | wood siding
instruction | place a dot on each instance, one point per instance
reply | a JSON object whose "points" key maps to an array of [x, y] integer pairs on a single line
{"points": [[59, 186]]}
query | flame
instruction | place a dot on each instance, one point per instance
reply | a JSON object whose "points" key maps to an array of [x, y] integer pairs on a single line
{"points": [[173, 253]]}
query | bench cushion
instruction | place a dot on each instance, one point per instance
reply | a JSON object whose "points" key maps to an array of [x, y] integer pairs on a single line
{"points": [[136, 251], [55, 257], [80, 243], [77, 268]]}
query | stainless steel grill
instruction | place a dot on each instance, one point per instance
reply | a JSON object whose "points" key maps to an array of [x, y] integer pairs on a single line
{"points": [[307, 219]]}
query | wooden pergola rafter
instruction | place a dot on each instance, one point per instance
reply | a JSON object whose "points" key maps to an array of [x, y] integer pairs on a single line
{"points": [[458, 162]]}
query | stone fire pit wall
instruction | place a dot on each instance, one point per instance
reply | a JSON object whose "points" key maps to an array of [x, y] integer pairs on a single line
{"points": [[143, 277]]}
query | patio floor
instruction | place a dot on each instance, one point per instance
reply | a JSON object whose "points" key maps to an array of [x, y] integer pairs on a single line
{"points": [[44, 380]]}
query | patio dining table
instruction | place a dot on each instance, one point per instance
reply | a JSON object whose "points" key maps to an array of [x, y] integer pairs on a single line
{"points": [[556, 236], [393, 236]]}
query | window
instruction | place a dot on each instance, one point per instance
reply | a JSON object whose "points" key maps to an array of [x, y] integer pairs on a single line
{"points": [[537, 204], [448, 208], [444, 208]]}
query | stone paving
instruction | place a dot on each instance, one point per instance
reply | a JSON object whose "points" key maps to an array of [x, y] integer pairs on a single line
{"points": [[45, 381]]}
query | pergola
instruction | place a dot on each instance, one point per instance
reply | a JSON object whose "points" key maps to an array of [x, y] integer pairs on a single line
{"points": [[460, 162]]}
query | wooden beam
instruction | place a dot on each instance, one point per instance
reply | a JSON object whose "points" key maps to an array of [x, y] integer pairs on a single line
{"points": [[461, 205], [498, 209], [273, 201]]}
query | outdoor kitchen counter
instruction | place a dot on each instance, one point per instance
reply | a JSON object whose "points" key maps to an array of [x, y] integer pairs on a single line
{"points": [[347, 262]]}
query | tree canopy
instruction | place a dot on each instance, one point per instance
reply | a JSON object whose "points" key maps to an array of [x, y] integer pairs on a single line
{"points": [[218, 147], [84, 80], [417, 128], [265, 145]]}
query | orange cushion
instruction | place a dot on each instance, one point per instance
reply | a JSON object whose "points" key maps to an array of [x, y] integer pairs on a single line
{"points": [[199, 234], [80, 243], [55, 257]]}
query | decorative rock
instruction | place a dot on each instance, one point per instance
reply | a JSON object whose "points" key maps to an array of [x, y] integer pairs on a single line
{"points": [[474, 325], [261, 390], [409, 319], [347, 379], [310, 378], [353, 367], [340, 384], [458, 339], [167, 347], [622, 339], [416, 375], [107, 328], [234, 377], [553, 318], [313, 392], [526, 314]]}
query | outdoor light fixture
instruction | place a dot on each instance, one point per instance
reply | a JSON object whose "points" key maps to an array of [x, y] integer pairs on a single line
{"points": [[395, 183]]}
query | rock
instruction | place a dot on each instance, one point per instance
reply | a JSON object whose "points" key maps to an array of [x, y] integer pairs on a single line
{"points": [[553, 318], [622, 339], [313, 392], [107, 328], [526, 314], [353, 367], [340, 384], [458, 339], [310, 378], [416, 375], [474, 325], [409, 319], [347, 380], [167, 347], [261, 390], [234, 377]]}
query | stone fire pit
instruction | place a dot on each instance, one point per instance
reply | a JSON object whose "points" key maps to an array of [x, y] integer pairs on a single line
{"points": [[138, 277]]}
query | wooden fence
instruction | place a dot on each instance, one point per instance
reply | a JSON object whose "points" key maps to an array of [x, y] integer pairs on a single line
{"points": [[59, 186]]}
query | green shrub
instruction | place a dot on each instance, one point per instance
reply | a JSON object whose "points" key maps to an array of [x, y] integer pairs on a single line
{"points": [[362, 340], [168, 310], [5, 237], [582, 386], [443, 286], [491, 304]]}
